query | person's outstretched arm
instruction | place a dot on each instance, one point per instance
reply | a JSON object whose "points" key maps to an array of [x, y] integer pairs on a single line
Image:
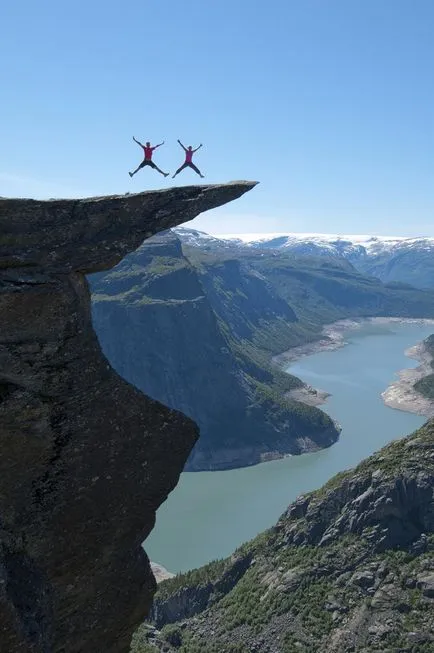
{"points": [[138, 142], [183, 146], [159, 145], [198, 148]]}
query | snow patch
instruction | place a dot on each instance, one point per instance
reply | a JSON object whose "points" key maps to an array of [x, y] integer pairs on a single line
{"points": [[341, 245]]}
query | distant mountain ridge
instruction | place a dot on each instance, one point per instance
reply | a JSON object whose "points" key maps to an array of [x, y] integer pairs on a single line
{"points": [[389, 258], [186, 335], [215, 313]]}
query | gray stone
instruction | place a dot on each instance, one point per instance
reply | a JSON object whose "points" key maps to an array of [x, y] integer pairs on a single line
{"points": [[426, 584], [363, 579], [85, 458], [86, 235]]}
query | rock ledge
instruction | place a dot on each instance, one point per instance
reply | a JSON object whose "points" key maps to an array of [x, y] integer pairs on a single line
{"points": [[85, 458]]}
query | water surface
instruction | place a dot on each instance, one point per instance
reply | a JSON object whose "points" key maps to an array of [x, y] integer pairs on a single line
{"points": [[209, 514]]}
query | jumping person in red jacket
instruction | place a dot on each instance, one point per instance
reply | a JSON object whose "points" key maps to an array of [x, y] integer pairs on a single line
{"points": [[147, 161], [188, 163]]}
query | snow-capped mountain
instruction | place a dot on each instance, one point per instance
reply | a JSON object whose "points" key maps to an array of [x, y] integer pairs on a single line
{"points": [[197, 238], [390, 258], [333, 243]]}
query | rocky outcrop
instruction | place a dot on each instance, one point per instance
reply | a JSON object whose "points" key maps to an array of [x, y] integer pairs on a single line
{"points": [[86, 459], [86, 235], [191, 600], [391, 512], [349, 567]]}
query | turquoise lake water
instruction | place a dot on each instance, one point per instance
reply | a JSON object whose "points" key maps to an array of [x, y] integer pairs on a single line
{"points": [[209, 514]]}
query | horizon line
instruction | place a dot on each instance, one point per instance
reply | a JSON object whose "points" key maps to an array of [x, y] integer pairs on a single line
{"points": [[252, 236]]}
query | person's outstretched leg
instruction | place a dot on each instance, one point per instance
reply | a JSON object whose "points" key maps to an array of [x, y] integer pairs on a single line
{"points": [[165, 174], [196, 169], [155, 167], [137, 169], [184, 165]]}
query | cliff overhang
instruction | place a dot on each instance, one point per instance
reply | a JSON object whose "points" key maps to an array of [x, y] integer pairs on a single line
{"points": [[86, 459]]}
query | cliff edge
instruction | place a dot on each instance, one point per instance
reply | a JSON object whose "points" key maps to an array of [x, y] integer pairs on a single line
{"points": [[86, 459]]}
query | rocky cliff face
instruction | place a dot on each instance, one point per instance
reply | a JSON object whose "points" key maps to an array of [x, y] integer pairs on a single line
{"points": [[218, 314], [177, 323], [347, 568], [86, 459]]}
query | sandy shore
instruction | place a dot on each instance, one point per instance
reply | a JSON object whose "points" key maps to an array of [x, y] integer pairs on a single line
{"points": [[308, 395], [400, 395], [332, 337], [160, 572]]}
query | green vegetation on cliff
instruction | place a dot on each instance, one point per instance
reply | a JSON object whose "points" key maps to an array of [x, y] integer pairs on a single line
{"points": [[196, 328], [349, 567], [426, 385], [196, 347]]}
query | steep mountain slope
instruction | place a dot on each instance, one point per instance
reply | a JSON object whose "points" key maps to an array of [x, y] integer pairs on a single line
{"points": [[409, 262], [218, 314], [349, 567], [318, 291], [401, 260], [426, 385], [322, 288], [157, 324]]}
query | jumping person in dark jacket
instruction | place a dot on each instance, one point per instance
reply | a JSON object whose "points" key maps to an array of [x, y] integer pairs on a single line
{"points": [[147, 161], [188, 163]]}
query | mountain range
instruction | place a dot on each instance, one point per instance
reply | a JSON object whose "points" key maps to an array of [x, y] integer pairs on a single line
{"points": [[389, 258]]}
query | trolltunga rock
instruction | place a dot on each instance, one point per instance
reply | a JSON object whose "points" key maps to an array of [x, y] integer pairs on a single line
{"points": [[85, 458]]}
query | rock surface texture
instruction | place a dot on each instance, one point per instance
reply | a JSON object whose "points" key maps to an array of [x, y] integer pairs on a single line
{"points": [[349, 567], [86, 459]]}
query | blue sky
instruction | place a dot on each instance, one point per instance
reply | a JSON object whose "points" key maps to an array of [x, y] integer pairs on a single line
{"points": [[328, 103]]}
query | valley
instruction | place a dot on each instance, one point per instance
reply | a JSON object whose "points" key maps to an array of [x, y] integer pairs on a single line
{"points": [[217, 315], [390, 259], [285, 353], [213, 513]]}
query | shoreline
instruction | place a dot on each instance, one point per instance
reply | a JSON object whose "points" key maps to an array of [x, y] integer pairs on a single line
{"points": [[310, 396], [160, 572], [331, 338], [399, 395]]}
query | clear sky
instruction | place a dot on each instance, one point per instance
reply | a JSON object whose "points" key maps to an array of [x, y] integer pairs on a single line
{"points": [[328, 103]]}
